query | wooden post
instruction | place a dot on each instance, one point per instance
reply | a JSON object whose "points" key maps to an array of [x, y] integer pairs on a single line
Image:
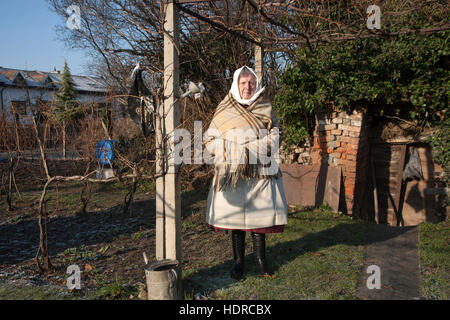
{"points": [[168, 200], [259, 63]]}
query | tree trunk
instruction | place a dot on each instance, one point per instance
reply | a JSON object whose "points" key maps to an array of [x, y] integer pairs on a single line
{"points": [[43, 238]]}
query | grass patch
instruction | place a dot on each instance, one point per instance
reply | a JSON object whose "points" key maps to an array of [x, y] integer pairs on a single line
{"points": [[23, 290], [116, 290], [10, 291], [318, 256], [434, 260]]}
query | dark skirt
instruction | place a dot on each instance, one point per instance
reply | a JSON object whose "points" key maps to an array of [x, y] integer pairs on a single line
{"points": [[273, 229]]}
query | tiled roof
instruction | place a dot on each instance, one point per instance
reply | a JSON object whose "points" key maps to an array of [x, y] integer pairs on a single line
{"points": [[51, 79]]}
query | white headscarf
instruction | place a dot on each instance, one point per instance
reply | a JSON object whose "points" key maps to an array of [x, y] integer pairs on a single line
{"points": [[235, 87]]}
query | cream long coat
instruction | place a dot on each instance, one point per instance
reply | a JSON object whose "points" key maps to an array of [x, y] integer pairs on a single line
{"points": [[252, 204]]}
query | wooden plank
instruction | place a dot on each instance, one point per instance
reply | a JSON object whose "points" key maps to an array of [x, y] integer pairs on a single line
{"points": [[420, 204], [375, 191], [401, 165], [311, 185]]}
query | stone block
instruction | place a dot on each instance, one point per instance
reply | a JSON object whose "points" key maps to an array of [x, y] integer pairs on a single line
{"points": [[331, 144], [354, 134], [336, 132], [349, 128]]}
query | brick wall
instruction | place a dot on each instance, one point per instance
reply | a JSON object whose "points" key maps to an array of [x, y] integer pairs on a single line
{"points": [[340, 139]]}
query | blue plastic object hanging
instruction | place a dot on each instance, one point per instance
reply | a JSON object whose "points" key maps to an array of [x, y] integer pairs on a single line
{"points": [[104, 152]]}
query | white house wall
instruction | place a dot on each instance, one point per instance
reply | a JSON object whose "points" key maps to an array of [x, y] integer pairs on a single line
{"points": [[8, 94]]}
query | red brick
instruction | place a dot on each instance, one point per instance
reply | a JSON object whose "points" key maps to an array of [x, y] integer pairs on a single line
{"points": [[349, 189], [319, 144], [336, 132], [350, 169], [349, 176], [351, 140], [325, 127], [349, 185], [325, 139], [336, 155], [347, 163], [349, 128]]}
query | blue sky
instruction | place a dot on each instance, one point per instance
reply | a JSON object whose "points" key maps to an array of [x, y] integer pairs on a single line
{"points": [[28, 39]]}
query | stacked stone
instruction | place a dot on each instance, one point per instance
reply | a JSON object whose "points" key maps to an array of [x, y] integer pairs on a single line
{"points": [[304, 154], [296, 154]]}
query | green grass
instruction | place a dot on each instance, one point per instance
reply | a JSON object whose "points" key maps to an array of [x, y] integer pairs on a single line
{"points": [[21, 290], [10, 290], [434, 260], [116, 290], [318, 256]]}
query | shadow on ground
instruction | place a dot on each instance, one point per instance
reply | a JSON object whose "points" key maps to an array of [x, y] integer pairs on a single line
{"points": [[281, 253], [19, 241]]}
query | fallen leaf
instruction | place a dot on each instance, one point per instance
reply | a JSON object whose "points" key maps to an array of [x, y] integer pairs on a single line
{"points": [[317, 254], [88, 267]]}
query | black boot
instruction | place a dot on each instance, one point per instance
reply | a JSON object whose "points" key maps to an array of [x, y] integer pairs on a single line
{"points": [[259, 249], [238, 240]]}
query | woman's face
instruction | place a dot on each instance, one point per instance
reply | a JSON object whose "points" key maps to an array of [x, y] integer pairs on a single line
{"points": [[247, 86]]}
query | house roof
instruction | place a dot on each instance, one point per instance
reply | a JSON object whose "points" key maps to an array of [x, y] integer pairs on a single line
{"points": [[40, 79]]}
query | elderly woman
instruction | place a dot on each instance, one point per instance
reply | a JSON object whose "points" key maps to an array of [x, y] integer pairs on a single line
{"points": [[243, 197]]}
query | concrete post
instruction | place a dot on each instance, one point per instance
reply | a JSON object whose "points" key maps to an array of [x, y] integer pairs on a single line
{"points": [[259, 63], [168, 200]]}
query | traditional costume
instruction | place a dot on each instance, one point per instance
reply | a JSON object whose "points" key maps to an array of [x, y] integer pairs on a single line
{"points": [[246, 193]]}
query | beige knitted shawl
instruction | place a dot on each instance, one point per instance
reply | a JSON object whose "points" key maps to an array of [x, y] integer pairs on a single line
{"points": [[232, 162]]}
